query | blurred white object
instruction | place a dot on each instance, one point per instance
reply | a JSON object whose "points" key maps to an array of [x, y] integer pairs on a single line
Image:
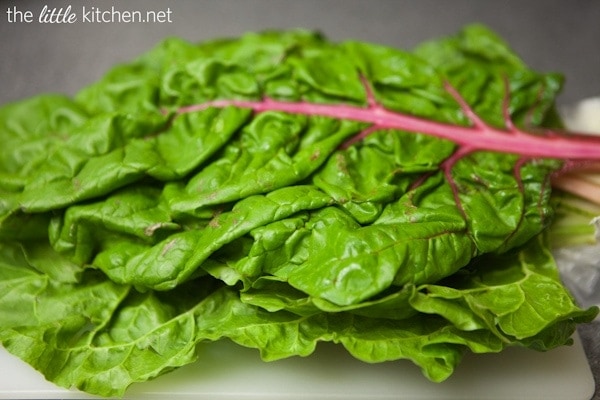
{"points": [[579, 266], [583, 116]]}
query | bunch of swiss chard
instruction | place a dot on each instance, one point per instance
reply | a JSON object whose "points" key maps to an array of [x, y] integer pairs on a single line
{"points": [[279, 190]]}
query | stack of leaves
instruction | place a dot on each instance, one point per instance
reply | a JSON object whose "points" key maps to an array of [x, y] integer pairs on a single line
{"points": [[279, 190]]}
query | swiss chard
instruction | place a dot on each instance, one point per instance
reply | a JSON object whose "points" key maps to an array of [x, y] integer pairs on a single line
{"points": [[280, 190]]}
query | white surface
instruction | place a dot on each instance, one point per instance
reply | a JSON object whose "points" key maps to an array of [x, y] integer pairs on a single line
{"points": [[227, 371]]}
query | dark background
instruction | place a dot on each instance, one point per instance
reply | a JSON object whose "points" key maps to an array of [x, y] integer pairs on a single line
{"points": [[551, 35]]}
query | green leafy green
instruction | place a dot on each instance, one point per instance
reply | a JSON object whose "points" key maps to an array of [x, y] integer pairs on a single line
{"points": [[279, 190]]}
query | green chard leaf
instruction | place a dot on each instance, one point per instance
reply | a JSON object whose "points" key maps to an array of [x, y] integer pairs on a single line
{"points": [[273, 151], [280, 190]]}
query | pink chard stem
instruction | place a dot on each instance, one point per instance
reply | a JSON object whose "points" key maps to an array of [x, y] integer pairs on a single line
{"points": [[478, 136], [578, 151]]}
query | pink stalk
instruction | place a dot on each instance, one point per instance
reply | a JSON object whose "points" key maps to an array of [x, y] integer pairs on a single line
{"points": [[579, 185], [478, 136], [580, 152]]}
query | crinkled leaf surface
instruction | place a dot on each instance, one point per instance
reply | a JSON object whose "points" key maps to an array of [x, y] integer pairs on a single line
{"points": [[171, 204], [102, 337]]}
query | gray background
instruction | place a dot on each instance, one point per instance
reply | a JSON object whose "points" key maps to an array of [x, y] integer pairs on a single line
{"points": [[550, 35]]}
